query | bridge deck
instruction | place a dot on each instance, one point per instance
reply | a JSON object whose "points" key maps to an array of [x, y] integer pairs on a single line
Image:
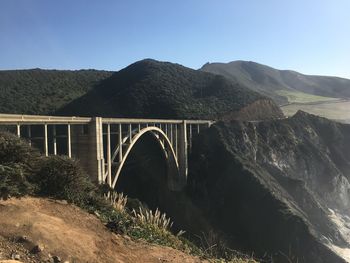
{"points": [[41, 119]]}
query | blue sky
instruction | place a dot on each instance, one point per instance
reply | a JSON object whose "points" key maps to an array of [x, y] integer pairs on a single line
{"points": [[310, 36]]}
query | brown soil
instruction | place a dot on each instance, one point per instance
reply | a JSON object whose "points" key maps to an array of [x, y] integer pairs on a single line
{"points": [[73, 235]]}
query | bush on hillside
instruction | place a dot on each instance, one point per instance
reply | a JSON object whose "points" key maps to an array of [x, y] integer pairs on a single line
{"points": [[15, 150], [63, 178], [14, 182], [18, 162]]}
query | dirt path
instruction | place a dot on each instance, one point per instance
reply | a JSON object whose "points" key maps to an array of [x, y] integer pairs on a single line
{"points": [[71, 234]]}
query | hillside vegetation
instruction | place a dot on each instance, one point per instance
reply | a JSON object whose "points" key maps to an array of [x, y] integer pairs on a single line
{"points": [[37, 91], [269, 81], [154, 89]]}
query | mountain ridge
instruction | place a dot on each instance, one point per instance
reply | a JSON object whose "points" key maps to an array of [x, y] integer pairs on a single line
{"points": [[155, 89], [267, 80]]}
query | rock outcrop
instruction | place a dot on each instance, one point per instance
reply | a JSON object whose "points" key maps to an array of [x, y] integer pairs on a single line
{"points": [[278, 188]]}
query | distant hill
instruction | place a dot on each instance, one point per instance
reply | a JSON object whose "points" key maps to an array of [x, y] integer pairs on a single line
{"points": [[282, 86], [37, 91], [154, 89]]}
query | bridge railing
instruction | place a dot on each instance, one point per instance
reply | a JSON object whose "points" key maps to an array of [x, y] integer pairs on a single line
{"points": [[14, 119]]}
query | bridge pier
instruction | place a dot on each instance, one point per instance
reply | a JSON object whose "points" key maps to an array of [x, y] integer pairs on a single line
{"points": [[87, 147], [95, 155], [182, 152]]}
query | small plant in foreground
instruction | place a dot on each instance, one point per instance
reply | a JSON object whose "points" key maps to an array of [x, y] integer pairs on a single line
{"points": [[155, 218], [118, 201], [215, 247]]}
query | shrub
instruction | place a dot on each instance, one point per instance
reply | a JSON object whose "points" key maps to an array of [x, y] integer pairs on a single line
{"points": [[17, 163], [13, 182], [63, 178], [16, 150]]}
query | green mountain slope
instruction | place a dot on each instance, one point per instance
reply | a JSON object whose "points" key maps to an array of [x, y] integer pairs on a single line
{"points": [[37, 91], [270, 82], [154, 89]]}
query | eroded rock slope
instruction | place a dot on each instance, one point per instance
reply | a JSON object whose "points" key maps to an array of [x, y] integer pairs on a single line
{"points": [[278, 188]]}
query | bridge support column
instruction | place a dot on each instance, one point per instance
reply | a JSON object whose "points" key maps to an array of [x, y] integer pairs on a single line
{"points": [[88, 148], [46, 141], [54, 140], [29, 133], [69, 141], [182, 152], [97, 163], [18, 130], [109, 161]]}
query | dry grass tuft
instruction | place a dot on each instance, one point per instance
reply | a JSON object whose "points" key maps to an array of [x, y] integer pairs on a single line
{"points": [[155, 218], [118, 201]]}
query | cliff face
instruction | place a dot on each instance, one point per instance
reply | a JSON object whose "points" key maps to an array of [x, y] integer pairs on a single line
{"points": [[277, 187]]}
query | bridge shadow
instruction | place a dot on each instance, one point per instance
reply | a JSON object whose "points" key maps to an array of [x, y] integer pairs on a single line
{"points": [[144, 174], [144, 177]]}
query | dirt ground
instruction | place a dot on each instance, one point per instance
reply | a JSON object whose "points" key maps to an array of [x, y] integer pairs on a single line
{"points": [[43, 230]]}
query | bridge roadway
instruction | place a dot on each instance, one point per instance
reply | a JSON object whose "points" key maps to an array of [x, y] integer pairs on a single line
{"points": [[103, 144]]}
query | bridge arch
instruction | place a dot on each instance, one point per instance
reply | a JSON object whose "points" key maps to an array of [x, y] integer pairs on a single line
{"points": [[173, 170]]}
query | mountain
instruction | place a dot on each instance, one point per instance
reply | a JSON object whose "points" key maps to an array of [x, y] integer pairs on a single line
{"points": [[279, 188], [280, 84], [38, 91], [154, 89]]}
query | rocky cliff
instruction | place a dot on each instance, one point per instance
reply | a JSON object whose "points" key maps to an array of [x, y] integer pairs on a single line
{"points": [[279, 188]]}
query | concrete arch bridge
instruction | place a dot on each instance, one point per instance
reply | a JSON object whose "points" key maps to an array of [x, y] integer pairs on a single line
{"points": [[103, 144]]}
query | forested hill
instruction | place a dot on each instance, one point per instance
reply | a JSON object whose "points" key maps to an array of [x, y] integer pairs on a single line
{"points": [[37, 91], [147, 88], [154, 89], [280, 84]]}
